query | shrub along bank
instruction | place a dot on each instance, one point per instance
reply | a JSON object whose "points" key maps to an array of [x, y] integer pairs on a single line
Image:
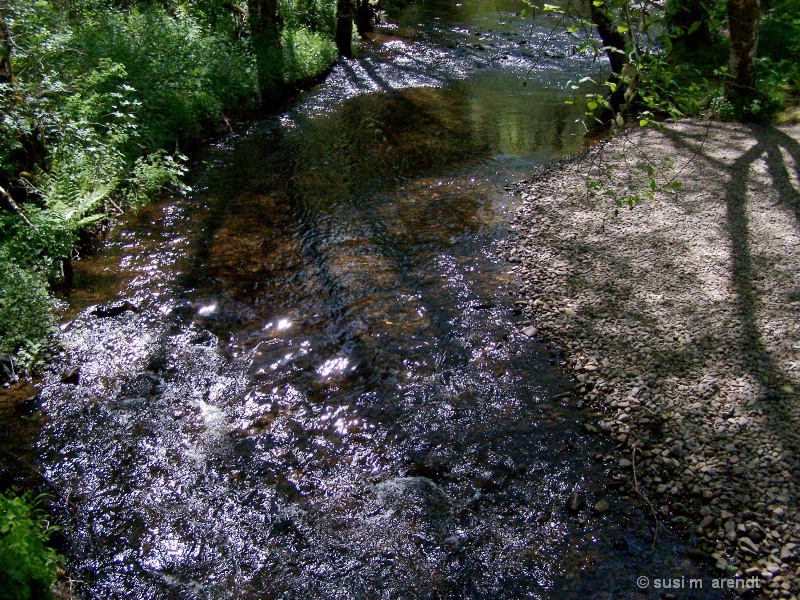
{"points": [[96, 96]]}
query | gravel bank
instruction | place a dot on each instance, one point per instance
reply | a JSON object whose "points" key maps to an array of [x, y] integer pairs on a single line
{"points": [[681, 318]]}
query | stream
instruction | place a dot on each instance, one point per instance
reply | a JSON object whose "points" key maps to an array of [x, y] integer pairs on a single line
{"points": [[324, 391]]}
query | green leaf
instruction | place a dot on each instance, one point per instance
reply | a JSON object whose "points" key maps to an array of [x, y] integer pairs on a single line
{"points": [[591, 105], [643, 122], [86, 221], [693, 27], [622, 28]]}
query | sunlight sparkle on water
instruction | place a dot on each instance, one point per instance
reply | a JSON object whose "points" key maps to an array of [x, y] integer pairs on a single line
{"points": [[280, 324], [334, 365], [208, 309]]}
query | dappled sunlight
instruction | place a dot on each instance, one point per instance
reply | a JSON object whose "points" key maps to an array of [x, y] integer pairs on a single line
{"points": [[686, 311], [325, 389]]}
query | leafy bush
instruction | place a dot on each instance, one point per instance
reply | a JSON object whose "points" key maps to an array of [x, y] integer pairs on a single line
{"points": [[779, 53], [105, 92], [105, 88], [779, 33], [306, 54], [318, 16], [28, 565], [25, 312], [667, 72], [183, 74]]}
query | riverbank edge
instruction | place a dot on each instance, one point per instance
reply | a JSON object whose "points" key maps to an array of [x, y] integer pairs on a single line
{"points": [[19, 415], [684, 359]]}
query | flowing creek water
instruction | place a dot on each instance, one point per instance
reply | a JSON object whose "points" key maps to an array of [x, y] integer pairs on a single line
{"points": [[324, 392]]}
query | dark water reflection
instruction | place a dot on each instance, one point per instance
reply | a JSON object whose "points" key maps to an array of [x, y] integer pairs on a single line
{"points": [[325, 393]]}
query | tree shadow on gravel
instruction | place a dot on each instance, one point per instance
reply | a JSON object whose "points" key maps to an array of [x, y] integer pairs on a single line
{"points": [[757, 358]]}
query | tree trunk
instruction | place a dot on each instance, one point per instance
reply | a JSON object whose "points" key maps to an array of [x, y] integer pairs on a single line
{"points": [[615, 43], [344, 27], [613, 40], [681, 15], [365, 16], [32, 151], [6, 69], [743, 18], [265, 34]]}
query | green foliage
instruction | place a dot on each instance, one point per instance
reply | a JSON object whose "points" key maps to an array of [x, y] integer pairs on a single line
{"points": [[107, 86], [106, 91], [630, 180], [26, 319], [779, 38], [306, 54], [28, 565], [181, 74], [307, 38], [673, 71], [778, 62], [318, 16]]}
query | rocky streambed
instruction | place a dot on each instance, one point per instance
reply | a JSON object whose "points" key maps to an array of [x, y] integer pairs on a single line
{"points": [[680, 320]]}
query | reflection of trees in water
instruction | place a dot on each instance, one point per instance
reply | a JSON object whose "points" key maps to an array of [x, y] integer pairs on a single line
{"points": [[539, 124], [296, 215], [344, 203]]}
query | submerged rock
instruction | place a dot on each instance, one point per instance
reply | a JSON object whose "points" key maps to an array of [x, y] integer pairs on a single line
{"points": [[601, 506], [72, 376], [575, 503], [113, 309], [408, 492]]}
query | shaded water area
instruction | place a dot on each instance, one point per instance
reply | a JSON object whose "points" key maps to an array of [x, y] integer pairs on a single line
{"points": [[324, 392]]}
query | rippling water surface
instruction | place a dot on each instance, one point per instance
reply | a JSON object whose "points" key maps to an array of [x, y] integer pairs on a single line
{"points": [[324, 393]]}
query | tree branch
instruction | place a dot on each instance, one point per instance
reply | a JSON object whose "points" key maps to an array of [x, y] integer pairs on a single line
{"points": [[16, 209]]}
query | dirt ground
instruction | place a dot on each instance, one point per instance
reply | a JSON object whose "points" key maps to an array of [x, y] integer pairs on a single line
{"points": [[681, 317]]}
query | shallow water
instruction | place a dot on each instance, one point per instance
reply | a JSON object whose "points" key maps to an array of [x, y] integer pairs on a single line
{"points": [[325, 392]]}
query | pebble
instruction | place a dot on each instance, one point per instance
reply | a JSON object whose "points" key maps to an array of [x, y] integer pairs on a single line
{"points": [[748, 546], [601, 507], [575, 503], [651, 319]]}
